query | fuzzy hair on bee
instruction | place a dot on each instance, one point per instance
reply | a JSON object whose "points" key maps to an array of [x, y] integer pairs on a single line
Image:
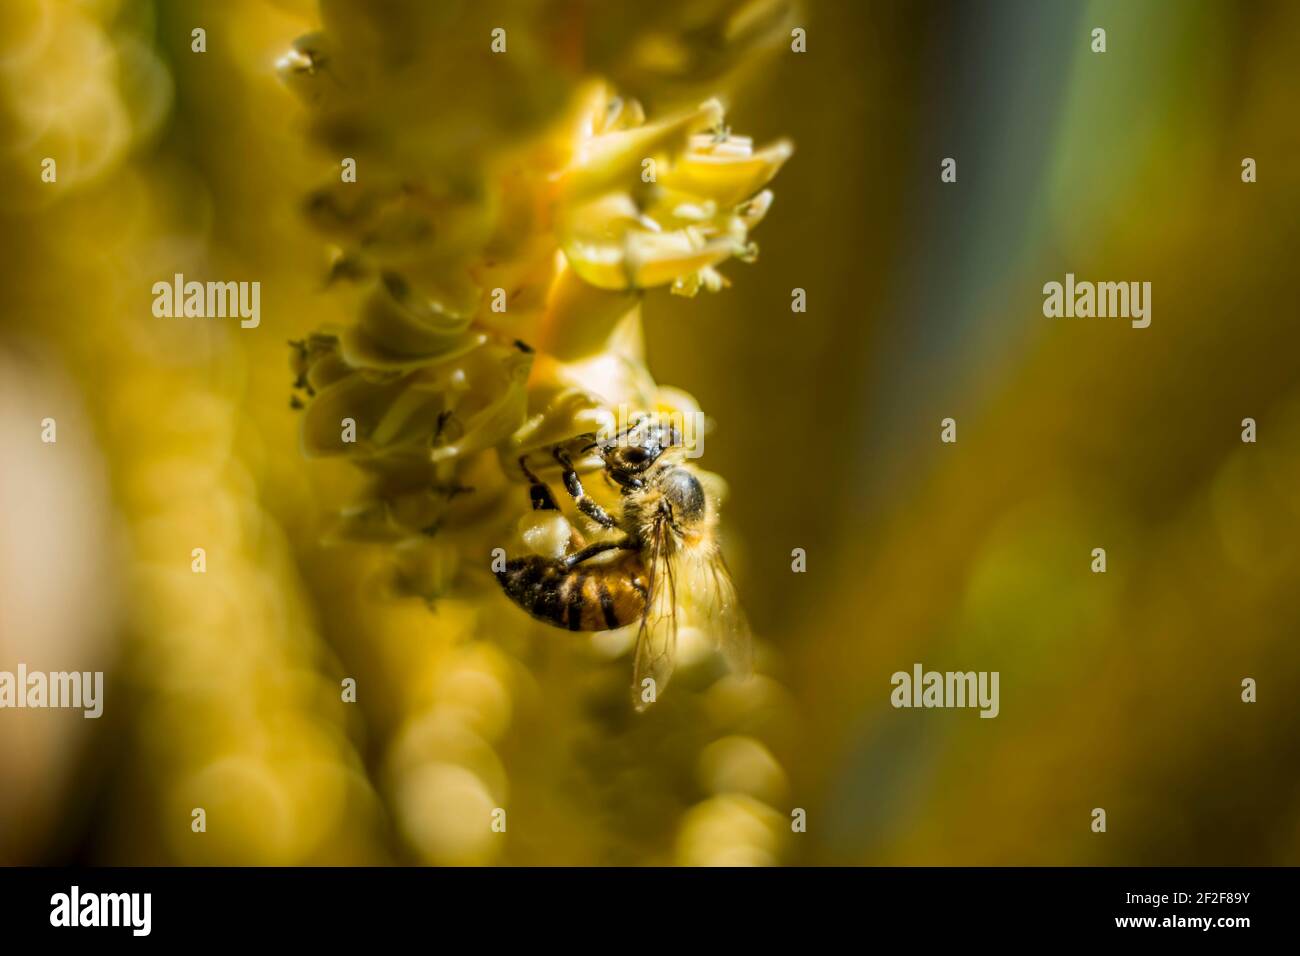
{"points": [[662, 563]]}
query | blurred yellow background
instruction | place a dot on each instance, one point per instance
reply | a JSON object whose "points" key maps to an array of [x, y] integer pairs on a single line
{"points": [[924, 301]]}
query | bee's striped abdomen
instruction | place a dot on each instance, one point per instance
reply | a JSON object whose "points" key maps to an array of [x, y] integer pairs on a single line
{"points": [[586, 597]]}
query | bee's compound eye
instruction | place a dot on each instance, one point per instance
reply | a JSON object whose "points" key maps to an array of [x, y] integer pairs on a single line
{"points": [[685, 493], [634, 456]]}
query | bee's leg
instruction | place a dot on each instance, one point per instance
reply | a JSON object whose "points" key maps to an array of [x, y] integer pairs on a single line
{"points": [[600, 547], [573, 485], [540, 495]]}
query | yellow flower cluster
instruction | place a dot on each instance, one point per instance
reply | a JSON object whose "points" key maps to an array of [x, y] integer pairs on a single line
{"points": [[505, 194], [497, 251]]}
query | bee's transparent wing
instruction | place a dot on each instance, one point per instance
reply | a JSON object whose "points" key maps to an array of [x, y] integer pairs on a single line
{"points": [[722, 617], [656, 641]]}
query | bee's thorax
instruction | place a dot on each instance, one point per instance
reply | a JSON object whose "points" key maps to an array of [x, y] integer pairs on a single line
{"points": [[671, 490]]}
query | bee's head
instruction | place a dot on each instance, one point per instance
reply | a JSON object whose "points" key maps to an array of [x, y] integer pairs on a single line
{"points": [[631, 452]]}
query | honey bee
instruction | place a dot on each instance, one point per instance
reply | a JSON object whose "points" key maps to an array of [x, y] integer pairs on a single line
{"points": [[667, 549]]}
